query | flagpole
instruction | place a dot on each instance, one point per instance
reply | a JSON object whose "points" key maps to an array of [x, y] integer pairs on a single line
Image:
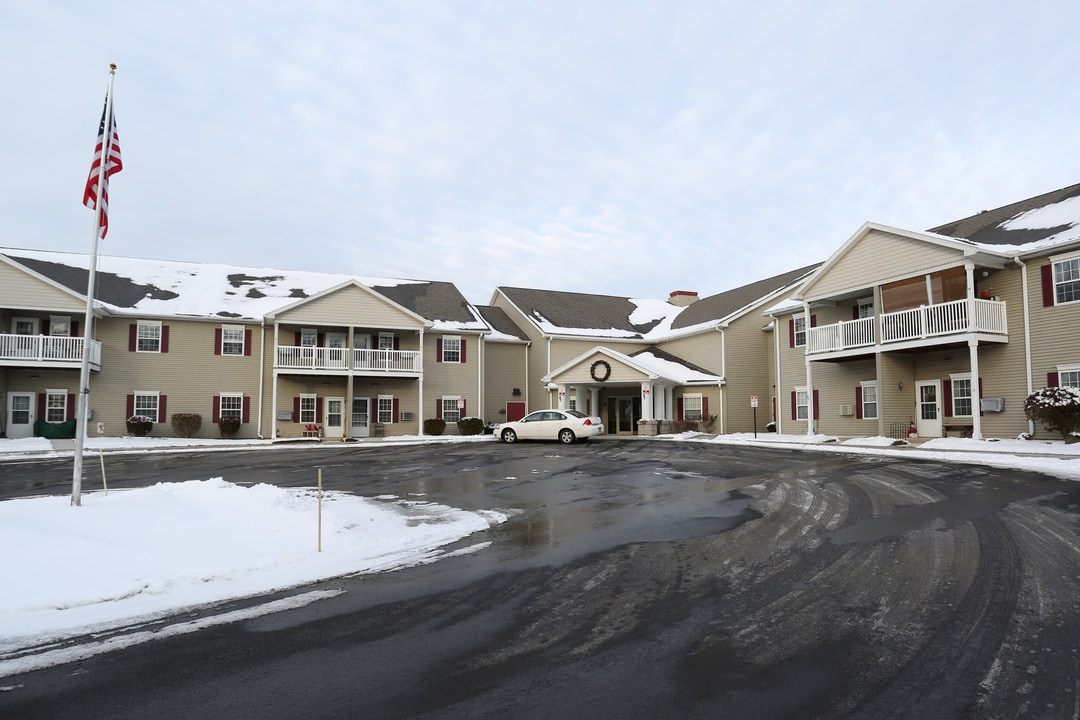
{"points": [[84, 373]]}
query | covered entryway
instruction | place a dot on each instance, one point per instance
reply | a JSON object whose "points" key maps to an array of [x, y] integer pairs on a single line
{"points": [[928, 410], [622, 415], [361, 417], [334, 416], [20, 415]]}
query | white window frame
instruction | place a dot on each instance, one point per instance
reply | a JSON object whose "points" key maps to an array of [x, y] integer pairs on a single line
{"points": [[141, 402], [50, 406], [802, 403], [361, 341], [148, 336], [689, 412], [309, 337], [34, 323], [451, 413], [872, 386], [232, 336], [866, 308], [386, 341], [969, 397], [1069, 375], [63, 321], [308, 404], [1066, 277], [385, 407], [799, 330], [451, 349], [237, 411]]}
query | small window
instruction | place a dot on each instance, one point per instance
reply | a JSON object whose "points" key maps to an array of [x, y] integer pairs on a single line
{"points": [[60, 325], [146, 404], [148, 337], [451, 413], [307, 408], [866, 308], [232, 340], [232, 405], [361, 342], [24, 326], [309, 337], [800, 330], [451, 349], [386, 409], [386, 341], [692, 407], [55, 406], [961, 397], [1067, 280], [802, 404], [1069, 377], [869, 401]]}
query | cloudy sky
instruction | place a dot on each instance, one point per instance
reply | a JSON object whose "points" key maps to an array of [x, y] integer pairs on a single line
{"points": [[623, 147]]}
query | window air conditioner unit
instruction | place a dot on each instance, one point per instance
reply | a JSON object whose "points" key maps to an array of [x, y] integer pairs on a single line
{"points": [[992, 404], [847, 409], [407, 417]]}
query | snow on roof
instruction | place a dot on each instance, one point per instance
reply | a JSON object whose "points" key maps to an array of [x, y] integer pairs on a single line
{"points": [[1064, 217], [672, 370]]}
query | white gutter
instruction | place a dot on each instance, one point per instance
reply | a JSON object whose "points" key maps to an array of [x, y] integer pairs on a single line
{"points": [[1027, 333], [262, 375], [779, 385], [809, 376]]}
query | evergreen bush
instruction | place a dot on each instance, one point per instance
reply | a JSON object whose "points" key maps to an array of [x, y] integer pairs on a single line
{"points": [[1057, 409], [470, 426], [434, 426], [139, 425], [229, 426], [186, 424]]}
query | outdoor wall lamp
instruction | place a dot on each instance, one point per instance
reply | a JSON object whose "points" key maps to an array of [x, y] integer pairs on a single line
{"points": [[899, 386]]}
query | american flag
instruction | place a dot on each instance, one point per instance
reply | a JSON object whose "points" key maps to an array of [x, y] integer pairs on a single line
{"points": [[112, 166]]}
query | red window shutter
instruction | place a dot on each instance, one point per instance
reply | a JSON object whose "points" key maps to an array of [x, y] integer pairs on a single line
{"points": [[164, 338], [318, 410], [397, 345], [855, 311], [394, 405], [247, 342], [217, 343], [296, 409], [46, 327], [245, 415], [704, 408], [813, 321], [464, 406], [438, 408], [299, 339], [1047, 272], [216, 414], [791, 333], [794, 409], [133, 334], [817, 406], [462, 349], [946, 397], [438, 353], [858, 402], [161, 411], [320, 339], [1052, 379], [75, 328], [679, 410], [130, 406], [41, 407], [70, 406]]}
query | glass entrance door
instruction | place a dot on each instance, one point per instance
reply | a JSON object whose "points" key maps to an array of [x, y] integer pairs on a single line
{"points": [[361, 413], [623, 414]]}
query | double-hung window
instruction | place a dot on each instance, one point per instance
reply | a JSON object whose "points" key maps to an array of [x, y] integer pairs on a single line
{"points": [[307, 408], [451, 349], [386, 409], [1067, 280], [232, 340], [961, 396], [800, 330], [451, 411], [802, 404], [146, 404], [1069, 376], [55, 406], [869, 400], [148, 336], [692, 407], [232, 405]]}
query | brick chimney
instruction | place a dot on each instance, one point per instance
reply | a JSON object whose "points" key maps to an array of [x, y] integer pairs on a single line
{"points": [[682, 298]]}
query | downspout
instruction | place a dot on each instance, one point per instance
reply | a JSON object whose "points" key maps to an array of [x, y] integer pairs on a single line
{"points": [[262, 374], [1027, 335], [809, 376], [482, 346], [273, 389], [420, 388], [723, 375], [527, 346], [779, 385], [547, 373]]}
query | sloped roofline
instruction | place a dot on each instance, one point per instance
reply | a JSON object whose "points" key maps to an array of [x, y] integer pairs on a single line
{"points": [[348, 283], [99, 309]]}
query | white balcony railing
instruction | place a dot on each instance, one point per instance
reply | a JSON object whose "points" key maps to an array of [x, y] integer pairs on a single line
{"points": [[291, 357], [50, 350], [927, 321]]}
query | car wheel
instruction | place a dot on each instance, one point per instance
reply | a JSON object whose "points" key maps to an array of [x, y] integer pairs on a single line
{"points": [[509, 436], [566, 436]]}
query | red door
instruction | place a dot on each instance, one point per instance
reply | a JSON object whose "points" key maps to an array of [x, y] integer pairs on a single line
{"points": [[515, 411]]}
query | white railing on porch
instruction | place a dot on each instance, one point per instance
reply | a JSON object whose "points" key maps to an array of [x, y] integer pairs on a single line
{"points": [[41, 349], [292, 357], [927, 321]]}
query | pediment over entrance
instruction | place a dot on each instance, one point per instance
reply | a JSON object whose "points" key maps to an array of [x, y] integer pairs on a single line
{"points": [[604, 366]]}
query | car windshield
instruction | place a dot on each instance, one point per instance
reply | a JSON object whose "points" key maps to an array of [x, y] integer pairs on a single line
{"points": [[575, 413]]}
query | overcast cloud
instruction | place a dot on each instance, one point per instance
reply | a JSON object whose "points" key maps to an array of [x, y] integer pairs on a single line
{"points": [[627, 148]]}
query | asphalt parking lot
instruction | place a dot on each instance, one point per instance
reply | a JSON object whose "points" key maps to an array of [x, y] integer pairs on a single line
{"points": [[642, 580]]}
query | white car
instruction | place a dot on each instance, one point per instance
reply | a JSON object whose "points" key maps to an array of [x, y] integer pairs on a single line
{"points": [[566, 426]]}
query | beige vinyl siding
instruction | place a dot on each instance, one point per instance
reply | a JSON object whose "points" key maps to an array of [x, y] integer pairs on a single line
{"points": [[350, 306], [25, 292], [1053, 329], [792, 374], [504, 370], [452, 379], [189, 375], [862, 266]]}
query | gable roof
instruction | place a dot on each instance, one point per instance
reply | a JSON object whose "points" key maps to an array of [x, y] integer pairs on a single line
{"points": [[726, 304], [504, 328], [136, 286], [1049, 219], [651, 362]]}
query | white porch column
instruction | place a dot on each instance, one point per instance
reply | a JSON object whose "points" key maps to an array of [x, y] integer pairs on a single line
{"points": [[647, 401], [594, 402], [976, 414], [669, 402], [273, 389]]}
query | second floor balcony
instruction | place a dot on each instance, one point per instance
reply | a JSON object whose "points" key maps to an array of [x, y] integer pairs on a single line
{"points": [[51, 351], [940, 320], [291, 357]]}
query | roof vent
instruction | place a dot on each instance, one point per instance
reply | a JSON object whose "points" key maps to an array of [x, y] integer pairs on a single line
{"points": [[682, 298]]}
